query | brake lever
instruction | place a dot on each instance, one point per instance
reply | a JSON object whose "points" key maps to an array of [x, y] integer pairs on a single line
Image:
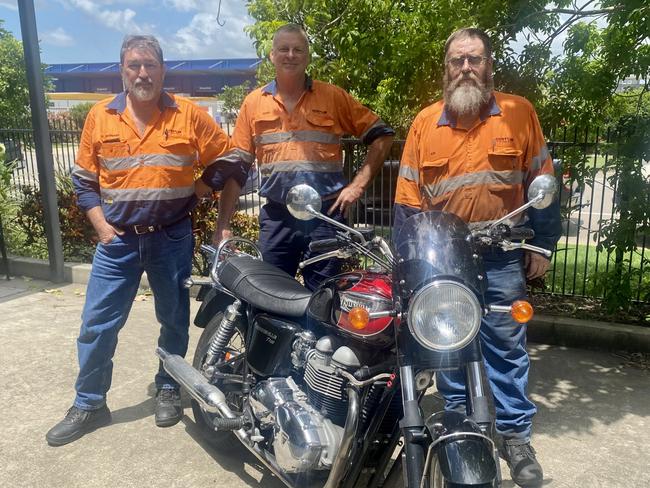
{"points": [[509, 246], [338, 253]]}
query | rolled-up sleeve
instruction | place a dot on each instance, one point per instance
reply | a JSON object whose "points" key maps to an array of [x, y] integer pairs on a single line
{"points": [[85, 173]]}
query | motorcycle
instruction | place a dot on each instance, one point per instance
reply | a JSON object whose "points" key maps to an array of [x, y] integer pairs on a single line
{"points": [[325, 387]]}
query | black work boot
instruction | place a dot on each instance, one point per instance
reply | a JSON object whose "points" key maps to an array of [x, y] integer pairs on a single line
{"points": [[168, 407], [76, 423], [524, 467]]}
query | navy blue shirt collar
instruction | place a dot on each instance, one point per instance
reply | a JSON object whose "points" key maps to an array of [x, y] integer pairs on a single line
{"points": [[119, 102], [492, 108], [272, 88]]}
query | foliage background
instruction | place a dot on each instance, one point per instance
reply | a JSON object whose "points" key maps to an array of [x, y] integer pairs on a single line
{"points": [[388, 53]]}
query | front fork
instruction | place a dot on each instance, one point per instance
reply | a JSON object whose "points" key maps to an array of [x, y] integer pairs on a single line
{"points": [[478, 407], [413, 430]]}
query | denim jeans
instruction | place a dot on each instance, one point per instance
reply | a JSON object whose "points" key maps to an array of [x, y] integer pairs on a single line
{"points": [[166, 256], [503, 342]]}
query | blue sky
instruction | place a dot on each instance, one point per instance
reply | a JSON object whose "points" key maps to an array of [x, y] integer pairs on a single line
{"points": [[78, 31]]}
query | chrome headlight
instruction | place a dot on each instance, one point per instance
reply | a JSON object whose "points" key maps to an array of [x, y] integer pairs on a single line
{"points": [[444, 316]]}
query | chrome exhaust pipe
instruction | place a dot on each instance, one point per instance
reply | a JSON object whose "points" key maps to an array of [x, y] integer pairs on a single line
{"points": [[209, 396]]}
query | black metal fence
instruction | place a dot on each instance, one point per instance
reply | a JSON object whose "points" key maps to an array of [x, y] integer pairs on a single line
{"points": [[588, 196]]}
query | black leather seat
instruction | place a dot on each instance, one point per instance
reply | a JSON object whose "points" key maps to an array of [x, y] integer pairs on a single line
{"points": [[264, 286]]}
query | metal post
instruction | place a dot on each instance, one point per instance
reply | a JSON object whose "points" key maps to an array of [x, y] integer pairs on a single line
{"points": [[44, 159]]}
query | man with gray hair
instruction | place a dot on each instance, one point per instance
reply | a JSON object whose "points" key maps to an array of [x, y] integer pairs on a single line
{"points": [[293, 128], [134, 178], [473, 154]]}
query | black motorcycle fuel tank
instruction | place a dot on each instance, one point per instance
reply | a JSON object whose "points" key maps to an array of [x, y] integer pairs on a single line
{"points": [[269, 351]]}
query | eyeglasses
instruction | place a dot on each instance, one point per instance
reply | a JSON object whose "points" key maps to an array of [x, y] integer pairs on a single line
{"points": [[474, 61]]}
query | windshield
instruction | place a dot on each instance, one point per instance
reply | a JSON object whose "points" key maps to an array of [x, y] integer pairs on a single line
{"points": [[432, 244]]}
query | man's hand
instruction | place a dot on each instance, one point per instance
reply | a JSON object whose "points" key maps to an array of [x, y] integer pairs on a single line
{"points": [[219, 235], [201, 190], [536, 265], [107, 232], [345, 199]]}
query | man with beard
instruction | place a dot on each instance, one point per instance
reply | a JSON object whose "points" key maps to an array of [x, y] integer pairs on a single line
{"points": [[134, 178], [474, 154], [293, 127]]}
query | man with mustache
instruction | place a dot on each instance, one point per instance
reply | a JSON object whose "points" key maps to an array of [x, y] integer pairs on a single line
{"points": [[293, 127], [474, 154], [134, 178]]}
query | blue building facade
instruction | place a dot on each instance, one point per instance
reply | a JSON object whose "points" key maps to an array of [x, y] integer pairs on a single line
{"points": [[196, 78]]}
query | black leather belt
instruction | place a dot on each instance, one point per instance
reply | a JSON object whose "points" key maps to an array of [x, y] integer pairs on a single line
{"points": [[146, 229]]}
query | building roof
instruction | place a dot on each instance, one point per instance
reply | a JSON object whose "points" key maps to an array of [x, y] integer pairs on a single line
{"points": [[197, 66]]}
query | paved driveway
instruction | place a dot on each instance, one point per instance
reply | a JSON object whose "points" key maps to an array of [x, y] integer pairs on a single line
{"points": [[592, 429]]}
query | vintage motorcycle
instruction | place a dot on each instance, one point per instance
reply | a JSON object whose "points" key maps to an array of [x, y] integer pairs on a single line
{"points": [[325, 387]]}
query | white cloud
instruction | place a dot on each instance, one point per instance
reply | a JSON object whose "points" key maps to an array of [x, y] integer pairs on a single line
{"points": [[11, 5], [182, 5], [119, 20], [57, 37], [204, 37]]}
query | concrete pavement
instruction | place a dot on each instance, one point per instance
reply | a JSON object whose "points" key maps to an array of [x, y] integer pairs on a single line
{"points": [[592, 428]]}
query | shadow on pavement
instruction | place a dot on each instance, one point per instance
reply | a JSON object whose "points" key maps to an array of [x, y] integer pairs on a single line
{"points": [[576, 392]]}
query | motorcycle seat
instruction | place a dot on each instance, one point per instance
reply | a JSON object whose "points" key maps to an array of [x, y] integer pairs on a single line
{"points": [[264, 286]]}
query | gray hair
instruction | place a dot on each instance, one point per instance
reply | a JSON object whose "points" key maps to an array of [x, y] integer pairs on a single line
{"points": [[470, 32], [291, 29], [141, 42]]}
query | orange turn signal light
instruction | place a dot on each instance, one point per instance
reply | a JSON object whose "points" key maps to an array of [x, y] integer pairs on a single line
{"points": [[358, 317], [521, 311], [227, 356]]}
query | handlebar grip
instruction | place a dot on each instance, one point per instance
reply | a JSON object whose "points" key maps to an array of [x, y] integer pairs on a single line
{"points": [[324, 245], [522, 233]]}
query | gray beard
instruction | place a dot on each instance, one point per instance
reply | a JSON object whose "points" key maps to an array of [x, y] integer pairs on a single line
{"points": [[467, 100], [143, 94]]}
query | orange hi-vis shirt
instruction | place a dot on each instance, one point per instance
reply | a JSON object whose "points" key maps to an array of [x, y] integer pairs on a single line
{"points": [[303, 146], [479, 174], [146, 179]]}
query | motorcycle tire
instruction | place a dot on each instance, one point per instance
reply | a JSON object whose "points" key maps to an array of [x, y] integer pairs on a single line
{"points": [[204, 420]]}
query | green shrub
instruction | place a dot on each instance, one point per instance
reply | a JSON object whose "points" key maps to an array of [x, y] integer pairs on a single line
{"points": [[77, 234], [204, 220]]}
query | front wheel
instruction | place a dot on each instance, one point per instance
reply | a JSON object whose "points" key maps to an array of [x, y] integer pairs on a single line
{"points": [[395, 478], [232, 389]]}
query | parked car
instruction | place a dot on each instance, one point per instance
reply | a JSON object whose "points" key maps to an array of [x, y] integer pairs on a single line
{"points": [[375, 207], [570, 192]]}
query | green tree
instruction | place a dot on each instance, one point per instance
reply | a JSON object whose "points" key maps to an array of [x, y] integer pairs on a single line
{"points": [[388, 52], [232, 98], [79, 112], [14, 93]]}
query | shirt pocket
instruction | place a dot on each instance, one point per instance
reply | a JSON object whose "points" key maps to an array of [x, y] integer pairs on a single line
{"points": [[326, 144], [179, 146], [266, 123], [112, 149], [505, 159], [433, 171], [323, 121]]}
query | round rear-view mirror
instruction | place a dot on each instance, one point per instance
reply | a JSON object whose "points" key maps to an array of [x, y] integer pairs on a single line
{"points": [[542, 191], [303, 202]]}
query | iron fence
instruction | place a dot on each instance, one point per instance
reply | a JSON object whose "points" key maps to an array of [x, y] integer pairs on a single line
{"points": [[588, 195]]}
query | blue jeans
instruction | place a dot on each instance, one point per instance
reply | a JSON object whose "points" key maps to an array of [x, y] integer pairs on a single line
{"points": [[166, 256], [503, 342], [284, 242]]}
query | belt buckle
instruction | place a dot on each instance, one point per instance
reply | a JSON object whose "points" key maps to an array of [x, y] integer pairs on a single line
{"points": [[143, 229]]}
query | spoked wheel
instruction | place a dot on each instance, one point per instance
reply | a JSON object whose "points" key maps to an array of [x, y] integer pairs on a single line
{"points": [[232, 389]]}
